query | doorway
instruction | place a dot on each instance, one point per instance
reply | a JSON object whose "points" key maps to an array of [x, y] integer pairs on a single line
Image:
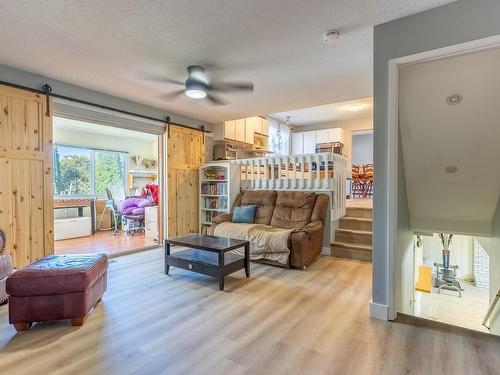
{"points": [[361, 189], [106, 188], [451, 286], [438, 188]]}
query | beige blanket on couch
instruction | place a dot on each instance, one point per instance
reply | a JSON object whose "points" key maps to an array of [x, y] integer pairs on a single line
{"points": [[266, 242]]}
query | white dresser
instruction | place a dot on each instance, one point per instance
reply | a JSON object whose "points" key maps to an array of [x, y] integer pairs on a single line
{"points": [[151, 222]]}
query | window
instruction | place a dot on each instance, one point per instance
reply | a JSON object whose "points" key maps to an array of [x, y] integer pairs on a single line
{"points": [[82, 171], [279, 138]]}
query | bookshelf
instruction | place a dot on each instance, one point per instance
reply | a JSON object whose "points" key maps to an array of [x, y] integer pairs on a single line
{"points": [[219, 187]]}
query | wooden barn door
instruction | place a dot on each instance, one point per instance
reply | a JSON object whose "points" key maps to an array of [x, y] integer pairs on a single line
{"points": [[26, 213], [185, 155]]}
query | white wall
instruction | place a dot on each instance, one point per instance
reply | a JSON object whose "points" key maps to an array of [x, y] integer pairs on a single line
{"points": [[492, 247], [461, 251], [362, 148], [451, 24]]}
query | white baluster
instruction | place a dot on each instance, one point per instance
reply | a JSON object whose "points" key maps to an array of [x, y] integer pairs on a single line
{"points": [[253, 174], [318, 171]]}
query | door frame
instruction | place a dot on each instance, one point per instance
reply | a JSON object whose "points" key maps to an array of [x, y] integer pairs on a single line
{"points": [[393, 148], [161, 139]]}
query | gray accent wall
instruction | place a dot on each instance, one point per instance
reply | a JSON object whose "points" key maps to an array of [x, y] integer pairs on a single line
{"points": [[36, 81], [362, 148], [451, 24]]}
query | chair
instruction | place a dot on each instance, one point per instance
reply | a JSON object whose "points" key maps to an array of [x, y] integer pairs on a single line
{"points": [[358, 184], [135, 223], [368, 178], [6, 268], [115, 194]]}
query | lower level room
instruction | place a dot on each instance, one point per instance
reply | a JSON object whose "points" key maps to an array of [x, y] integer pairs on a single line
{"points": [[105, 188]]}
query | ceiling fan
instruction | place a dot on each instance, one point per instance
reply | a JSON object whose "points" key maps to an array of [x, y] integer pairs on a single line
{"points": [[197, 86]]}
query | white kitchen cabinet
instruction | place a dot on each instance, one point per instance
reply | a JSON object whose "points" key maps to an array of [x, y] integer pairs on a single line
{"points": [[229, 130], [249, 129], [322, 136], [297, 143], [265, 126], [305, 142], [336, 135], [252, 125], [225, 130], [309, 142], [239, 130]]}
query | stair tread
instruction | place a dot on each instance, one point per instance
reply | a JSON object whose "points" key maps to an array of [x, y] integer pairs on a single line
{"points": [[355, 231], [354, 246], [357, 218]]}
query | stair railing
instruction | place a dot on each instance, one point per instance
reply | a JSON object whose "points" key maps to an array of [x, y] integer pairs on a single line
{"points": [[322, 172], [490, 311]]}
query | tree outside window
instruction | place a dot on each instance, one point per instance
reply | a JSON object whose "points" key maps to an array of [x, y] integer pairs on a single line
{"points": [[86, 172], [109, 170]]}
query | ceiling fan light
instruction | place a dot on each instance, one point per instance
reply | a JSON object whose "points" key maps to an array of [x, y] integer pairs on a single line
{"points": [[196, 89], [196, 93]]}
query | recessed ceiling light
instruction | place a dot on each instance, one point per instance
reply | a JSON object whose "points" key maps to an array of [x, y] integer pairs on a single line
{"points": [[331, 36], [454, 99], [451, 169], [356, 107]]}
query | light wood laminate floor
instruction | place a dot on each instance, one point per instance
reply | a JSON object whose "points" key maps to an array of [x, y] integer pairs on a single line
{"points": [[279, 321], [104, 242]]}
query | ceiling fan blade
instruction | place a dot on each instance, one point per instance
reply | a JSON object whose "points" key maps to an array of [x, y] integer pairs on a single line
{"points": [[158, 78], [233, 86], [172, 95], [214, 100]]}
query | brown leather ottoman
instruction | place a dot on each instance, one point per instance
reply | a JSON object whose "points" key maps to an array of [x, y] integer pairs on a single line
{"points": [[56, 287]]}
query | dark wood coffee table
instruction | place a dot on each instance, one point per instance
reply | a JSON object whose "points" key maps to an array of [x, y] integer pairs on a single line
{"points": [[208, 255]]}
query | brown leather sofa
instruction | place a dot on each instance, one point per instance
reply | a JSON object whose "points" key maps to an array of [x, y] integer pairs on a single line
{"points": [[303, 211]]}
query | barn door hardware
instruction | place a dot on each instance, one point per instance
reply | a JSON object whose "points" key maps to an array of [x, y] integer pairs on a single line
{"points": [[47, 90]]}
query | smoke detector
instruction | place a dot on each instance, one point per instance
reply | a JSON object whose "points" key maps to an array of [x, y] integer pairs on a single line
{"points": [[331, 36], [454, 99], [451, 169]]}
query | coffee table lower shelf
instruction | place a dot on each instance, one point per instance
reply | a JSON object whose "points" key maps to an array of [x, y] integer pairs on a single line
{"points": [[206, 262]]}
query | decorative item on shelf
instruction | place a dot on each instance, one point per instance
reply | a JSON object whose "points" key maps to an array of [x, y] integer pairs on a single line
{"points": [[136, 159], [215, 173], [149, 163]]}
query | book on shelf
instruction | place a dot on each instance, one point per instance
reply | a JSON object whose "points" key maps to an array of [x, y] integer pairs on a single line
{"points": [[219, 187]]}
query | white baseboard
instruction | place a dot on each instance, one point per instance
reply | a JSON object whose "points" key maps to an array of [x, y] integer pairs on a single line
{"points": [[326, 250], [379, 311]]}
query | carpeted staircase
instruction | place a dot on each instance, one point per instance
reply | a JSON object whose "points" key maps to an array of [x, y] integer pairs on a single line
{"points": [[353, 239]]}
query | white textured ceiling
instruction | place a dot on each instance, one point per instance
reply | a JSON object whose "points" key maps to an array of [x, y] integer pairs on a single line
{"points": [[107, 45], [328, 112], [99, 130], [435, 135]]}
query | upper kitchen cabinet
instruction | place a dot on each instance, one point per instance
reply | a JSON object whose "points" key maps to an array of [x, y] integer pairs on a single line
{"points": [[239, 132], [260, 125], [297, 143], [249, 130], [330, 135], [243, 130], [226, 130], [309, 142], [305, 142]]}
